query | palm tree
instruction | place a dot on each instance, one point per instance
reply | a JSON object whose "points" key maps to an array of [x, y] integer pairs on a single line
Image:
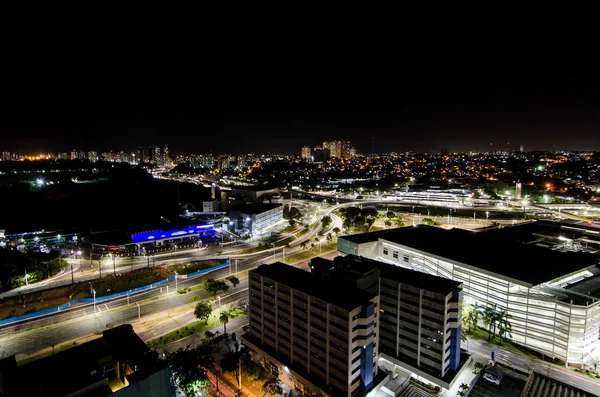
{"points": [[504, 324], [320, 233], [489, 317], [304, 245], [471, 316], [224, 319], [329, 237]]}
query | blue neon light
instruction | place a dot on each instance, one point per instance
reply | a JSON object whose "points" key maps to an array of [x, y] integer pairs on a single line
{"points": [[147, 236]]}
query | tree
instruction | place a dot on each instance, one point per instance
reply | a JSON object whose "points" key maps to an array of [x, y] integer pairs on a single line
{"points": [[304, 245], [213, 286], [292, 222], [391, 215], [233, 280], [490, 317], [190, 367], [387, 224], [326, 221], [272, 386], [203, 310], [471, 316], [329, 237], [230, 363], [504, 324], [224, 319], [336, 230], [399, 222], [321, 233]]}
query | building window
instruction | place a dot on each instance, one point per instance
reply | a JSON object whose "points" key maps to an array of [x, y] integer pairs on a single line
{"points": [[385, 251], [406, 258], [395, 254]]}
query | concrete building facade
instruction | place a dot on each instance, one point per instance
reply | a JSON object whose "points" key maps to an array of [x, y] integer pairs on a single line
{"points": [[548, 292], [321, 338]]}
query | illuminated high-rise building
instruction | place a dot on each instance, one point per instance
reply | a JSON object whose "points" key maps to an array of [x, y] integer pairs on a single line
{"points": [[305, 154], [157, 157], [166, 158]]}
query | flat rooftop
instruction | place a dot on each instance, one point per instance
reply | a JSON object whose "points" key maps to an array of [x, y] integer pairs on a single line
{"points": [[254, 208], [336, 293], [414, 278], [510, 251]]}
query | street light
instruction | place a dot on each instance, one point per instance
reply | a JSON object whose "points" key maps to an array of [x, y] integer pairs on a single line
{"points": [[80, 260], [219, 297], [94, 292], [487, 215]]}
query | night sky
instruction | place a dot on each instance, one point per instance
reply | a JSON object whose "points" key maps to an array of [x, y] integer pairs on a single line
{"points": [[268, 91]]}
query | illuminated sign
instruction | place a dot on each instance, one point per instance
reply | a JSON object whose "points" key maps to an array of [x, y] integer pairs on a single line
{"points": [[160, 234]]}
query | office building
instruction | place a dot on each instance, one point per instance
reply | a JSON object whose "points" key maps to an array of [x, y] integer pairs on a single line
{"points": [[321, 154], [117, 364], [305, 153], [255, 218], [6, 156], [540, 272], [420, 319], [150, 155], [339, 149], [320, 337], [74, 155], [92, 156], [157, 156], [166, 158], [210, 206]]}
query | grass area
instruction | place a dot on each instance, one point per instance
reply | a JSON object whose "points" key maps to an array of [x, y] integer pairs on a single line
{"points": [[189, 330], [483, 335], [191, 267], [311, 253], [112, 284]]}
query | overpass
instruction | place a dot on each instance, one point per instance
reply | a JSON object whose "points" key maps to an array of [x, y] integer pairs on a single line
{"points": [[562, 214]]}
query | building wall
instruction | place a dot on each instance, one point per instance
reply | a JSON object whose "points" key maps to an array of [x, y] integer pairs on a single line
{"points": [[421, 325], [210, 206], [539, 320], [314, 337]]}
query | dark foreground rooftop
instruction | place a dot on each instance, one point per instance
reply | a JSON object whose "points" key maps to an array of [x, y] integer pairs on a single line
{"points": [[96, 368], [510, 251]]}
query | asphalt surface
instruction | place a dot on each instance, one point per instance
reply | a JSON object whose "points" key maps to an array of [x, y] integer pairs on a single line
{"points": [[481, 351]]}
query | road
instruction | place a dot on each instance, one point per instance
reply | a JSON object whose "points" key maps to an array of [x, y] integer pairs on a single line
{"points": [[81, 269], [481, 351]]}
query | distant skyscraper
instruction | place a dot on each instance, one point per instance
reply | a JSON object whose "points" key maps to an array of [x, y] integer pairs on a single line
{"points": [[306, 153], [352, 152], [321, 154], [150, 155], [521, 148], [6, 156], [93, 156], [157, 157], [74, 154], [140, 154], [338, 149], [518, 189], [166, 159]]}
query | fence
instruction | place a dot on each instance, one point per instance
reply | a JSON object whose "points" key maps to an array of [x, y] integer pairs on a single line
{"points": [[107, 298]]}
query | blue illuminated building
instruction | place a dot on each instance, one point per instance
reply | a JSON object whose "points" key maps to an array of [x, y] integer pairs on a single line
{"points": [[156, 235]]}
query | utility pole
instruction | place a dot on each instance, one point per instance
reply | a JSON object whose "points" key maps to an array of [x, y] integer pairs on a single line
{"points": [[72, 278], [94, 291], [175, 281], [139, 313], [114, 266]]}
